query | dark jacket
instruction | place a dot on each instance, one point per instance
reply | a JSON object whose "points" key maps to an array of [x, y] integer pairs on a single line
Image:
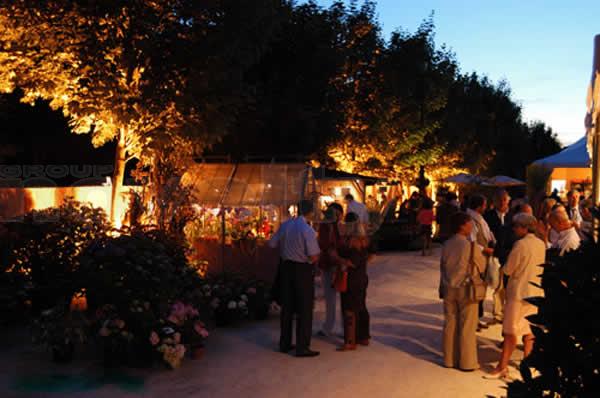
{"points": [[505, 237]]}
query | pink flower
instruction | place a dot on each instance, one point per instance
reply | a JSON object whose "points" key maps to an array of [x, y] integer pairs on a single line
{"points": [[120, 323], [104, 332], [200, 329], [154, 339]]}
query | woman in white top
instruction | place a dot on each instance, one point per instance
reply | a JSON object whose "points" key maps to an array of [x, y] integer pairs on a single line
{"points": [[522, 266]]}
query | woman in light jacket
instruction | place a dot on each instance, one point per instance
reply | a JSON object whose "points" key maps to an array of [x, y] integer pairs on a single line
{"points": [[460, 313], [522, 266]]}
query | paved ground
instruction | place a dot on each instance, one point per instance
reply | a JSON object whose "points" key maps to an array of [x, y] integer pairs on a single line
{"points": [[403, 361]]}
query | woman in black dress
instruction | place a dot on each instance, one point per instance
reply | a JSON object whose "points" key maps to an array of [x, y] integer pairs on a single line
{"points": [[355, 247]]}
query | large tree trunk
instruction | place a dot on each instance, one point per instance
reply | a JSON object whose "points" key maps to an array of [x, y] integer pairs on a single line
{"points": [[118, 175]]}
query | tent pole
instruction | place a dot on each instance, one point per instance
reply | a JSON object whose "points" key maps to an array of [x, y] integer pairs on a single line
{"points": [[596, 173], [596, 133], [223, 239]]}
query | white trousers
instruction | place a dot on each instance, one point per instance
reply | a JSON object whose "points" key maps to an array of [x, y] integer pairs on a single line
{"points": [[330, 295]]}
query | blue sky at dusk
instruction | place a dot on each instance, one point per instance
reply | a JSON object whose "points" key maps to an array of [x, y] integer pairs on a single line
{"points": [[543, 49]]}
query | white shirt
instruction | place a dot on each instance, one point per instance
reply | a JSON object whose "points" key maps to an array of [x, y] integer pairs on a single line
{"points": [[566, 241], [480, 221], [297, 241], [360, 210], [501, 216], [575, 215]]}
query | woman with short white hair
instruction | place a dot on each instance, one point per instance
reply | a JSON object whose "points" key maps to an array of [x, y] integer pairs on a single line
{"points": [[522, 266]]}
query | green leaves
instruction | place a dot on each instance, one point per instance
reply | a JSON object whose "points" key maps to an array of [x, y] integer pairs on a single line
{"points": [[567, 347]]}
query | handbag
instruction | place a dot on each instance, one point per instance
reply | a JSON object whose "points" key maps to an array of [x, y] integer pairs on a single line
{"points": [[476, 287], [492, 273], [340, 281]]}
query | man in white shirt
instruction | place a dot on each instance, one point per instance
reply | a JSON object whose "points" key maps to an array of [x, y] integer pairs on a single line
{"points": [[358, 208], [482, 235], [566, 237], [299, 251]]}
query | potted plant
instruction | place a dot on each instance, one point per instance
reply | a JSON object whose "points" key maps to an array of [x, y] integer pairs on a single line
{"points": [[59, 330], [114, 336], [258, 298]]}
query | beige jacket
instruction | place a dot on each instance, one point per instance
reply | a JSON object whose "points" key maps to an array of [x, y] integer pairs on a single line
{"points": [[522, 266], [454, 264]]}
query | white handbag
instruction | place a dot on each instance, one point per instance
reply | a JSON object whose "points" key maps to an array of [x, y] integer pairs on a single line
{"points": [[492, 273]]}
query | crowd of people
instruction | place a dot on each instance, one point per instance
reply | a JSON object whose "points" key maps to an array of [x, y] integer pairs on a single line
{"points": [[496, 245], [508, 240], [340, 250]]}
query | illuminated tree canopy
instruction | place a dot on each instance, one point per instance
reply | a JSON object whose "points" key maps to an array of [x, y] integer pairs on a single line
{"points": [[149, 74]]}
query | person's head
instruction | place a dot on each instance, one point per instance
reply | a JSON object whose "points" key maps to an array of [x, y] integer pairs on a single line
{"points": [[352, 226], [524, 224], [477, 203], [329, 215], [501, 200], [525, 208], [450, 196], [349, 197], [305, 208], [338, 209], [546, 207], [586, 209], [461, 223], [559, 219], [427, 204], [573, 198]]}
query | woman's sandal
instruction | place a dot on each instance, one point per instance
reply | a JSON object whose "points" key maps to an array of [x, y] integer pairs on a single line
{"points": [[346, 347], [496, 374]]}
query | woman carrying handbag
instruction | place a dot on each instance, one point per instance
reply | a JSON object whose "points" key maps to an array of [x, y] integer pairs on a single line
{"points": [[461, 288], [355, 249]]}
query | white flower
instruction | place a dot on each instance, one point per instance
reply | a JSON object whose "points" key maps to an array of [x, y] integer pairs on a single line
{"points": [[232, 305], [215, 303], [242, 304], [244, 297]]}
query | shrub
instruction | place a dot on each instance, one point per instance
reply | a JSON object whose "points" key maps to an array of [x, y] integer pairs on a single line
{"points": [[567, 347], [47, 244], [145, 266]]}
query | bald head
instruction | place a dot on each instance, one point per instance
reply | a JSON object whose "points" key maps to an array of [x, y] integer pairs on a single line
{"points": [[559, 219]]}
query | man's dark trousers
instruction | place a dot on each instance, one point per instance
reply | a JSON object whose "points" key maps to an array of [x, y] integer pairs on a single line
{"points": [[297, 296]]}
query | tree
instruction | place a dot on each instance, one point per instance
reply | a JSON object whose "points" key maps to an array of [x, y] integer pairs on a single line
{"points": [[484, 127], [136, 72], [397, 94]]}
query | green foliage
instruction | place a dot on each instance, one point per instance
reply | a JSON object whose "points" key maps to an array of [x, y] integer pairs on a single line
{"points": [[59, 331], [567, 347], [483, 124], [146, 266], [47, 244]]}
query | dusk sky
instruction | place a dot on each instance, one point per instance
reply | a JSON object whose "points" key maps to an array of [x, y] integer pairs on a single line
{"points": [[543, 49]]}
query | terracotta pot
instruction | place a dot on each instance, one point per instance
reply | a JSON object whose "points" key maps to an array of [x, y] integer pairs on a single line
{"points": [[197, 352]]}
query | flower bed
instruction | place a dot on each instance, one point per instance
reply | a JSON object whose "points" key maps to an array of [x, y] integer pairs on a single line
{"points": [[131, 295]]}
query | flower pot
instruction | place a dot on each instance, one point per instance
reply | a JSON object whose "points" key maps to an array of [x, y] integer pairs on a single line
{"points": [[63, 353], [197, 352]]}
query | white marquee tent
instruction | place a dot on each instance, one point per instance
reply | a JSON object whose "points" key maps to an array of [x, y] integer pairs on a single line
{"points": [[570, 166]]}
